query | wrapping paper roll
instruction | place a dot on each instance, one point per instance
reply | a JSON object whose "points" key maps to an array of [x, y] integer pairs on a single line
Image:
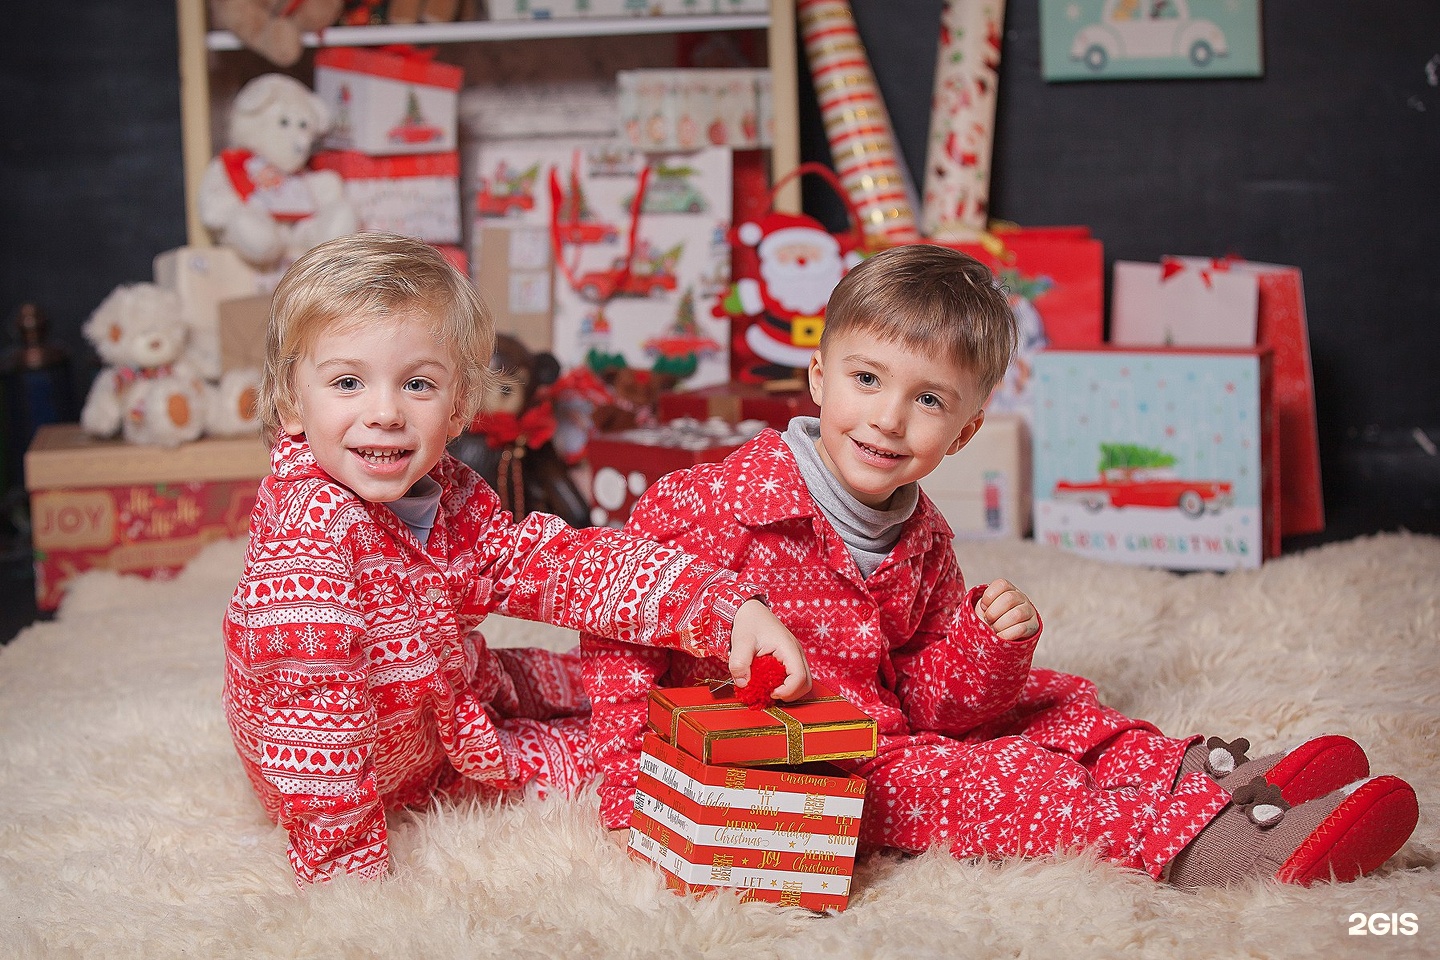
{"points": [[962, 121], [862, 142]]}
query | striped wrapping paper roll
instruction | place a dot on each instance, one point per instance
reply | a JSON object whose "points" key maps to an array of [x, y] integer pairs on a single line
{"points": [[962, 122], [862, 142]]}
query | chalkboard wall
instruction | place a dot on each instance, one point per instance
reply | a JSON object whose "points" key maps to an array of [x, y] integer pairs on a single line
{"points": [[1330, 161]]}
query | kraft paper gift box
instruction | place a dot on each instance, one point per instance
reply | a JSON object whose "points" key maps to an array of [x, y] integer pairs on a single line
{"points": [[623, 465], [715, 727], [243, 321], [415, 195], [384, 103], [1163, 457], [984, 490], [784, 835], [734, 402], [204, 278], [110, 505]]}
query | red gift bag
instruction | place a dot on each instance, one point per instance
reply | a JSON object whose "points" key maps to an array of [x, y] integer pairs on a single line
{"points": [[1281, 325], [1055, 277]]}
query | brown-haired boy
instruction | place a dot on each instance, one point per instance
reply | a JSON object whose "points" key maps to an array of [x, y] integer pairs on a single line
{"points": [[978, 750]]}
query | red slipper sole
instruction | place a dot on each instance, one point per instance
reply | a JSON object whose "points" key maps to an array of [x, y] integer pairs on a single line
{"points": [[1364, 831], [1318, 767]]}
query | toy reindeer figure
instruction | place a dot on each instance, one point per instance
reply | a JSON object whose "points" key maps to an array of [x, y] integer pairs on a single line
{"points": [[510, 442]]}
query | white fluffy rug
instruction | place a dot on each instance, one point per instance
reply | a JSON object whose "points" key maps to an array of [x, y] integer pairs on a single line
{"points": [[128, 830]]}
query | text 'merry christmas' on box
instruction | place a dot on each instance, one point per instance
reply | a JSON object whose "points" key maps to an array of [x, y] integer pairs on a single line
{"points": [[784, 835], [111, 505], [1163, 457]]}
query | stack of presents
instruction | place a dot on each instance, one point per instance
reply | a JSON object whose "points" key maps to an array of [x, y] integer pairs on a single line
{"points": [[734, 796]]}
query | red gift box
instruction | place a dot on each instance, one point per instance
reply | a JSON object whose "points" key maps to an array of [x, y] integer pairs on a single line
{"points": [[715, 727], [110, 505], [624, 465], [784, 835], [734, 402]]}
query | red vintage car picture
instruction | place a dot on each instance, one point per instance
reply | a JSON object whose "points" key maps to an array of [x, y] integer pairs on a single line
{"points": [[1148, 487]]}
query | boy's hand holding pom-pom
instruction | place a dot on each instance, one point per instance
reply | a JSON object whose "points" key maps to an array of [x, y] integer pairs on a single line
{"points": [[766, 673]]}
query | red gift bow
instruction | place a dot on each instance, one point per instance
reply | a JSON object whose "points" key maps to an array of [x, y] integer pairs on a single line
{"points": [[532, 429]]}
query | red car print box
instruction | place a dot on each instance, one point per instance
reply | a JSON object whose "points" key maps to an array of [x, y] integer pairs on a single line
{"points": [[111, 505], [384, 103], [1163, 456], [785, 834]]}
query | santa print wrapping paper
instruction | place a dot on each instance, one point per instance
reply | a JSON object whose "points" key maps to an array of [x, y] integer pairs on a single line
{"points": [[715, 727], [785, 835], [1161, 457], [962, 119], [1055, 280]]}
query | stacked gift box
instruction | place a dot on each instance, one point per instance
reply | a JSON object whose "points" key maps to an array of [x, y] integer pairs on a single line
{"points": [[742, 798], [393, 139]]}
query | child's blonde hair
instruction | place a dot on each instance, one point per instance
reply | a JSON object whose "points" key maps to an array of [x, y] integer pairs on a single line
{"points": [[929, 297], [373, 277]]}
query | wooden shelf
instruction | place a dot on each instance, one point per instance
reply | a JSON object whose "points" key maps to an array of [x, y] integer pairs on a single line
{"points": [[198, 44], [472, 31]]}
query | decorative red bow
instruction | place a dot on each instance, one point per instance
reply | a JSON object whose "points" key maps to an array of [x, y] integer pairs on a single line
{"points": [[124, 376], [532, 429]]}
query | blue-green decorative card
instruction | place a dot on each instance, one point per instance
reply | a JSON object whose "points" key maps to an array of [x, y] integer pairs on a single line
{"points": [[1161, 457], [1131, 39]]}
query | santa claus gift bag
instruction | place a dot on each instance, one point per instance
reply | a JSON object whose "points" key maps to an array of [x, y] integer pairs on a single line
{"points": [[785, 266]]}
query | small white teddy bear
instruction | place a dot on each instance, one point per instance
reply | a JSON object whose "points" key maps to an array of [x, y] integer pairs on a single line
{"points": [[147, 391], [256, 196]]}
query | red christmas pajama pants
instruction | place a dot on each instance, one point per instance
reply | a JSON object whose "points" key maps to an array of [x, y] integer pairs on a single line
{"points": [[1059, 772]]}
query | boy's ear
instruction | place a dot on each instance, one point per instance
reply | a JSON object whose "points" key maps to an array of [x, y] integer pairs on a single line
{"points": [[290, 420], [457, 424], [817, 378], [966, 432]]}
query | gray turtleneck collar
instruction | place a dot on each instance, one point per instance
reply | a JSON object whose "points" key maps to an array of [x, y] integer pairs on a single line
{"points": [[870, 534]]}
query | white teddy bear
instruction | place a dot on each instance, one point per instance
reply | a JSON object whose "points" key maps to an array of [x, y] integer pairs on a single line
{"points": [[232, 407], [256, 196], [147, 391]]}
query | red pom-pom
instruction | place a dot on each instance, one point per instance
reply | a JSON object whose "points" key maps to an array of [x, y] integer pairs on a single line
{"points": [[766, 673]]}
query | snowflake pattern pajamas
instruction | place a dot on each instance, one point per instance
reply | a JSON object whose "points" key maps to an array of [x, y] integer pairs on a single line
{"points": [[978, 751]]}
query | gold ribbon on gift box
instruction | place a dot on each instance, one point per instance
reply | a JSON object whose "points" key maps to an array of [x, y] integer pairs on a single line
{"points": [[794, 730]]}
